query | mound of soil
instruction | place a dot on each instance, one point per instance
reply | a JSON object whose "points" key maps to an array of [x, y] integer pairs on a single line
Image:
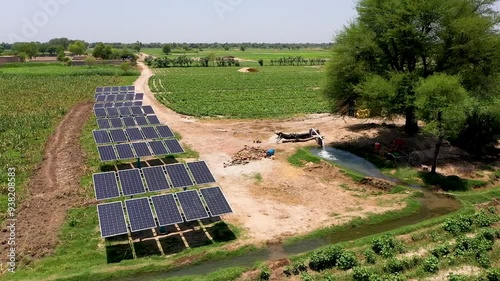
{"points": [[247, 70], [378, 183], [247, 154]]}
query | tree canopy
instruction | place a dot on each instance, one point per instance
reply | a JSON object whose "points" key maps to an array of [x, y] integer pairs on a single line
{"points": [[380, 58], [78, 47]]}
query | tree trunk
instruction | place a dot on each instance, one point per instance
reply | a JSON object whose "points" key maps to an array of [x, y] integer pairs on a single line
{"points": [[439, 142], [411, 126]]}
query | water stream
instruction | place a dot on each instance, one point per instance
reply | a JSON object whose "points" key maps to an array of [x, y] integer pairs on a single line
{"points": [[431, 206]]}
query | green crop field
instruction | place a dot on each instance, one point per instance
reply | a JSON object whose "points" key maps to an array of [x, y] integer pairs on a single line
{"points": [[35, 97], [273, 92], [249, 54]]}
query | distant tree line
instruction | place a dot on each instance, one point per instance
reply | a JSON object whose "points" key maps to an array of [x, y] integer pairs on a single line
{"points": [[184, 61], [298, 60]]}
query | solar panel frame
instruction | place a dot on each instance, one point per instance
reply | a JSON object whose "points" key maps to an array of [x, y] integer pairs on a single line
{"points": [[136, 111], [137, 103], [125, 151], [129, 97], [148, 109], [103, 123], [164, 132], [124, 111], [128, 121], [111, 216], [174, 146], [178, 175], [139, 96], [201, 173], [134, 134], [191, 205], [120, 97], [142, 149], [166, 209], [100, 98], [150, 133], [101, 136], [107, 153], [108, 105], [140, 214], [128, 103], [112, 112], [216, 201], [115, 88], [156, 179], [158, 148], [116, 122], [118, 104], [98, 105], [118, 135], [141, 121], [111, 98], [153, 120], [100, 112], [131, 182], [99, 89], [123, 88], [131, 88], [107, 89], [105, 185]]}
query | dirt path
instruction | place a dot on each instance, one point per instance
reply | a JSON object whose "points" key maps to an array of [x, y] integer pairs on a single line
{"points": [[286, 200], [54, 188]]}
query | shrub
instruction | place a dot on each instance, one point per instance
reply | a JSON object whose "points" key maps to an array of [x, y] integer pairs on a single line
{"points": [[456, 277], [287, 271], [493, 274], [298, 266], [442, 250], [483, 259], [489, 234], [326, 258], [265, 273], [431, 264], [458, 224], [387, 246], [304, 276], [482, 219], [347, 261], [370, 256], [394, 266], [361, 274]]}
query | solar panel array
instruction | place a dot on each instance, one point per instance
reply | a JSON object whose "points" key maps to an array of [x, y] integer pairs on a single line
{"points": [[127, 151], [114, 111], [162, 210], [151, 179]]}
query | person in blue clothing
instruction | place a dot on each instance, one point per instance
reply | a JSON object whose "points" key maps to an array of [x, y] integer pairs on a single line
{"points": [[270, 152]]}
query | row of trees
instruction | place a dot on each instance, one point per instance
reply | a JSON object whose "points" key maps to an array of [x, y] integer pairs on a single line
{"points": [[184, 61], [432, 60], [298, 60]]}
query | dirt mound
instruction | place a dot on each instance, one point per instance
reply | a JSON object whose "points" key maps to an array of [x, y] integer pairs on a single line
{"points": [[378, 183], [54, 188], [247, 154], [247, 70]]}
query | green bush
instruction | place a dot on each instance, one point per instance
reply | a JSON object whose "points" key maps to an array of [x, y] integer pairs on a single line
{"points": [[431, 264], [456, 277], [304, 276], [483, 259], [395, 265], [482, 219], [298, 266], [493, 274], [265, 273], [458, 224], [370, 256], [361, 274], [387, 246], [442, 250], [347, 260], [326, 258]]}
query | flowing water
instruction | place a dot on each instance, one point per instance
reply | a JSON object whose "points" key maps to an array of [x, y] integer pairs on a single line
{"points": [[431, 206]]}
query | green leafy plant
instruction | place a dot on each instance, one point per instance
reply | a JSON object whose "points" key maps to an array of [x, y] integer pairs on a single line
{"points": [[386, 246], [347, 260], [265, 273], [431, 264], [370, 256]]}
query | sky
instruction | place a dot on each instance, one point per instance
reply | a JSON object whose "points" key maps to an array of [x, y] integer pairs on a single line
{"points": [[191, 21]]}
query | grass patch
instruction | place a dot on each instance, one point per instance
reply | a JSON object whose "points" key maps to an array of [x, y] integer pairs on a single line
{"points": [[450, 183], [302, 157], [226, 274]]}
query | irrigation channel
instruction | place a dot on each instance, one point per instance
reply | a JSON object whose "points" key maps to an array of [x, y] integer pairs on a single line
{"points": [[432, 206]]}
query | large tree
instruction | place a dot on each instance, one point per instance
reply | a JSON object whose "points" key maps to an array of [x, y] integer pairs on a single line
{"points": [[380, 57], [78, 47], [29, 49]]}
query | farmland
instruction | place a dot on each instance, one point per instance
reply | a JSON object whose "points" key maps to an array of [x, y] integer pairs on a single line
{"points": [[34, 99], [273, 92]]}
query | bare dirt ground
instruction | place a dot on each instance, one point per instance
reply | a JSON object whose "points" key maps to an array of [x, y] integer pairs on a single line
{"points": [[53, 189], [270, 198]]}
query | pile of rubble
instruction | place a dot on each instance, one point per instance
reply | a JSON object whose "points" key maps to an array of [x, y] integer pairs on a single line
{"points": [[247, 154]]}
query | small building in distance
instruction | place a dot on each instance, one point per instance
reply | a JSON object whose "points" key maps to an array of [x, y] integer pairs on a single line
{"points": [[8, 59]]}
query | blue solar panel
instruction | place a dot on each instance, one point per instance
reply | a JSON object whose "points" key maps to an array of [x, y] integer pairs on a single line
{"points": [[115, 88], [112, 112], [105, 185], [124, 111], [155, 178], [109, 104], [100, 112], [128, 103], [134, 134], [191, 204], [201, 173], [158, 148], [107, 89], [137, 103], [166, 209], [129, 97], [100, 98], [101, 136], [140, 214], [136, 110], [174, 146], [123, 88], [110, 97], [164, 132], [128, 121], [148, 109], [216, 201], [107, 153], [118, 135], [120, 97], [118, 104], [103, 124], [111, 219], [150, 133], [131, 182], [153, 120], [116, 122], [124, 151], [99, 89], [99, 105], [141, 149], [141, 121], [139, 96], [178, 175], [131, 88]]}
